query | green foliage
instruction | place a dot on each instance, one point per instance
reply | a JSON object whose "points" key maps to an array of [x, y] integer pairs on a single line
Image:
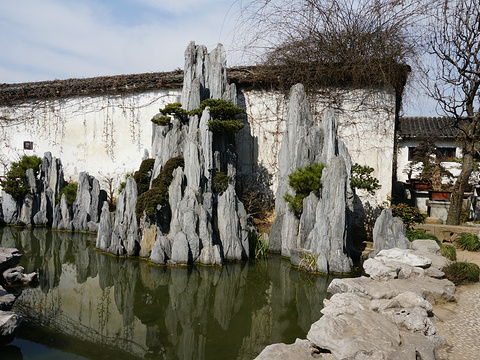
{"points": [[70, 192], [468, 242], [409, 214], [172, 109], [15, 182], [228, 126], [162, 120], [362, 179], [158, 193], [308, 262], [303, 182], [219, 109], [258, 244], [462, 272], [220, 181], [415, 235], [143, 175], [449, 252], [124, 183], [223, 115]]}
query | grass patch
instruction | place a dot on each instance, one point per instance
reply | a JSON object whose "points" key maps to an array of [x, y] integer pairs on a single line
{"points": [[416, 235], [462, 272], [258, 244], [469, 242], [448, 251]]}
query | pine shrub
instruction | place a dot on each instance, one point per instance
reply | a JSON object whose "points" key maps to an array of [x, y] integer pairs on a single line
{"points": [[304, 181], [158, 193], [15, 182]]}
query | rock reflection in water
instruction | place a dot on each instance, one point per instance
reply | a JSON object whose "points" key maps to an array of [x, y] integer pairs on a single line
{"points": [[133, 307]]}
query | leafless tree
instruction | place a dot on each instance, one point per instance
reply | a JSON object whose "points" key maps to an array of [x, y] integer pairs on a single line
{"points": [[333, 42], [454, 81]]}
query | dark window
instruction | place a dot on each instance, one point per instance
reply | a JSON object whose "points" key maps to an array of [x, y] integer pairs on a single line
{"points": [[28, 145], [447, 153], [411, 149]]}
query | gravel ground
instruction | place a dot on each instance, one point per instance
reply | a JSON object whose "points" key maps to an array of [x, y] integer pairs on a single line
{"points": [[459, 323]]}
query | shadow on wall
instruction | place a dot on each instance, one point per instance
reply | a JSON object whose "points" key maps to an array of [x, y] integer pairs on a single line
{"points": [[254, 181], [365, 215]]}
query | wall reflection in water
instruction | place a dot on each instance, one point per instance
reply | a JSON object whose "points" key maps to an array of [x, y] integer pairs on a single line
{"points": [[130, 306]]}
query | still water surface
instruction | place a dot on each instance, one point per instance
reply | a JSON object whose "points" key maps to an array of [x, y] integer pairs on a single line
{"points": [[87, 304]]}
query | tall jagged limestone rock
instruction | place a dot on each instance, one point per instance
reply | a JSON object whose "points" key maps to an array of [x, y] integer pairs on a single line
{"points": [[205, 227], [37, 207], [323, 228], [125, 238], [301, 145], [87, 206], [198, 224]]}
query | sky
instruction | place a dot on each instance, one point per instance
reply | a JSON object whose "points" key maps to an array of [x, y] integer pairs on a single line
{"points": [[60, 39]]}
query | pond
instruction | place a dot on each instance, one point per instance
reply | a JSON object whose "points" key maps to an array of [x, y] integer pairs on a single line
{"points": [[87, 304]]}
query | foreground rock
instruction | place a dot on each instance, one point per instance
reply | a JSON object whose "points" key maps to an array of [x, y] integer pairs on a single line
{"points": [[11, 274], [385, 316]]}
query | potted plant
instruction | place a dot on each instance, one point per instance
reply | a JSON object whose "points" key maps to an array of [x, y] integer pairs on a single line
{"points": [[432, 169]]}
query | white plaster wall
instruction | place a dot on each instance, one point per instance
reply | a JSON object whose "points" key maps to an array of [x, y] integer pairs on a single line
{"points": [[105, 136], [366, 125]]}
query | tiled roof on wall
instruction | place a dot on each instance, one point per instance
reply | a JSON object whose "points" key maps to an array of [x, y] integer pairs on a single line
{"points": [[422, 127]]}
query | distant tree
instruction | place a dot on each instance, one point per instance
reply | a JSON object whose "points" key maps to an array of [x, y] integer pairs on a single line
{"points": [[454, 82], [329, 42]]}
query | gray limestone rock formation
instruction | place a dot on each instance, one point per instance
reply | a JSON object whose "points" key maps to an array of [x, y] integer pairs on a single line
{"points": [[389, 232], [6, 300], [10, 208], [204, 227], [17, 275], [86, 208], [197, 224], [104, 234], [125, 235], [325, 223], [9, 322]]}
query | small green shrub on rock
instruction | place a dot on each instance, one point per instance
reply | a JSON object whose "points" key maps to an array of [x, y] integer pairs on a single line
{"points": [[124, 183], [304, 181], [173, 109], [409, 214], [15, 182], [220, 181], [158, 193], [362, 179], [143, 175], [469, 242], [70, 192], [462, 272], [223, 115]]}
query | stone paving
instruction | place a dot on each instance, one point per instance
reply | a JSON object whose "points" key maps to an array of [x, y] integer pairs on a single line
{"points": [[459, 323]]}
